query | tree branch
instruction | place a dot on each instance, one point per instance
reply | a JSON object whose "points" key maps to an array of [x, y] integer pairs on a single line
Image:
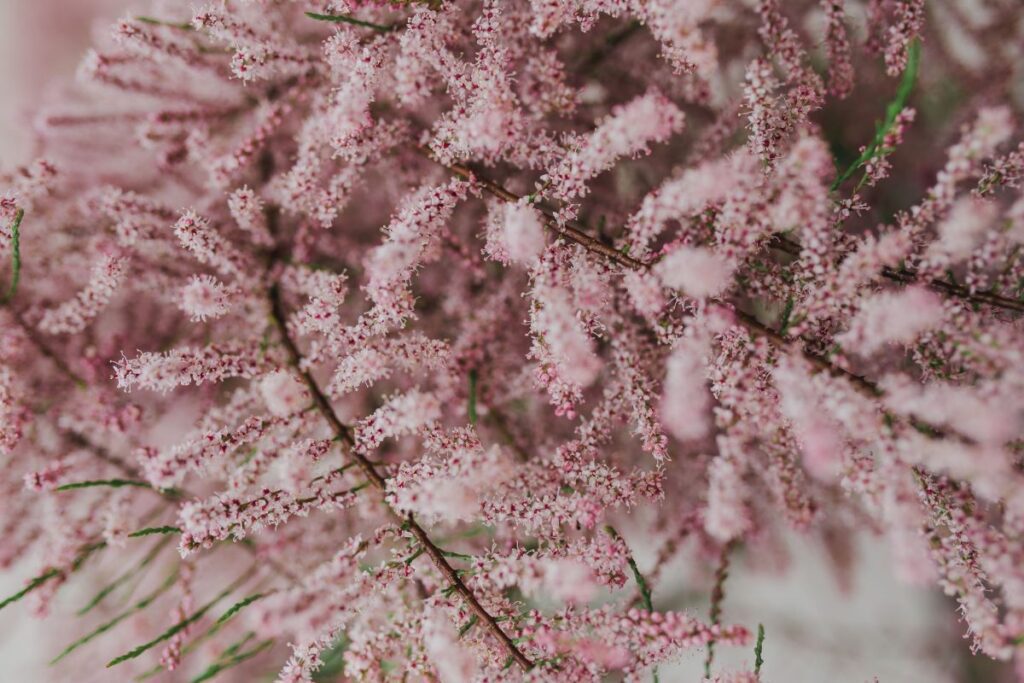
{"points": [[571, 230], [753, 325], [345, 436], [907, 275]]}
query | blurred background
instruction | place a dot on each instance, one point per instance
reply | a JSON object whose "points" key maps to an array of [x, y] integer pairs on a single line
{"points": [[817, 629]]}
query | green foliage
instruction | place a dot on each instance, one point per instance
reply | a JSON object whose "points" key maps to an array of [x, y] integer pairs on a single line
{"points": [[238, 607], [471, 408], [32, 585], [786, 318], [641, 582], [346, 19], [232, 656], [758, 649], [891, 112], [468, 625], [126, 576], [173, 630], [149, 531], [106, 626], [35, 583], [113, 483], [333, 662]]}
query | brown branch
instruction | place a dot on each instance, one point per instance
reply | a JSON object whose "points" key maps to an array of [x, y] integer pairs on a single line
{"points": [[907, 276], [574, 232], [865, 386], [345, 435], [571, 230], [861, 384]]}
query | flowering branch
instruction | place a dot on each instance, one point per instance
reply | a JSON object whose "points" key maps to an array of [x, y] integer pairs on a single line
{"points": [[344, 434], [571, 230], [308, 280]]}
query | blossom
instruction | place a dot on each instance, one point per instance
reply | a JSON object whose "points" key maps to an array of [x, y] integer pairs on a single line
{"points": [[388, 314], [73, 315], [185, 366], [685, 406], [907, 22], [892, 317], [727, 516], [283, 393], [819, 436], [204, 297], [14, 417], [248, 213], [209, 247], [628, 131], [167, 468], [696, 271], [377, 360], [523, 233], [449, 487], [402, 414], [837, 45]]}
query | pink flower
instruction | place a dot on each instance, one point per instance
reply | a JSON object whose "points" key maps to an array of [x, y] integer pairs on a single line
{"points": [[697, 271], [405, 303], [284, 393], [450, 485], [892, 318], [73, 315], [685, 406], [627, 132], [524, 233], [204, 297]]}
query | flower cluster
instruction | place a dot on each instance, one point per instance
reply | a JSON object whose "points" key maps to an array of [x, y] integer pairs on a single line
{"points": [[413, 326]]}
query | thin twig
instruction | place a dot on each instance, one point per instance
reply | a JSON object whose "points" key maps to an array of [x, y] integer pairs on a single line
{"points": [[570, 230], [907, 275], [345, 435], [347, 19], [134, 472], [752, 324], [45, 350], [717, 597]]}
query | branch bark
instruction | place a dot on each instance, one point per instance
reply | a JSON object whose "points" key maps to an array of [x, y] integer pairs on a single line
{"points": [[575, 233], [345, 436]]}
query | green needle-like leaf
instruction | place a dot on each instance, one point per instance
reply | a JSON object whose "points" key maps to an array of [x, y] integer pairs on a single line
{"points": [[103, 628], [346, 19], [758, 649], [113, 483], [127, 576], [177, 628], [32, 585], [149, 531], [892, 110], [231, 657]]}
